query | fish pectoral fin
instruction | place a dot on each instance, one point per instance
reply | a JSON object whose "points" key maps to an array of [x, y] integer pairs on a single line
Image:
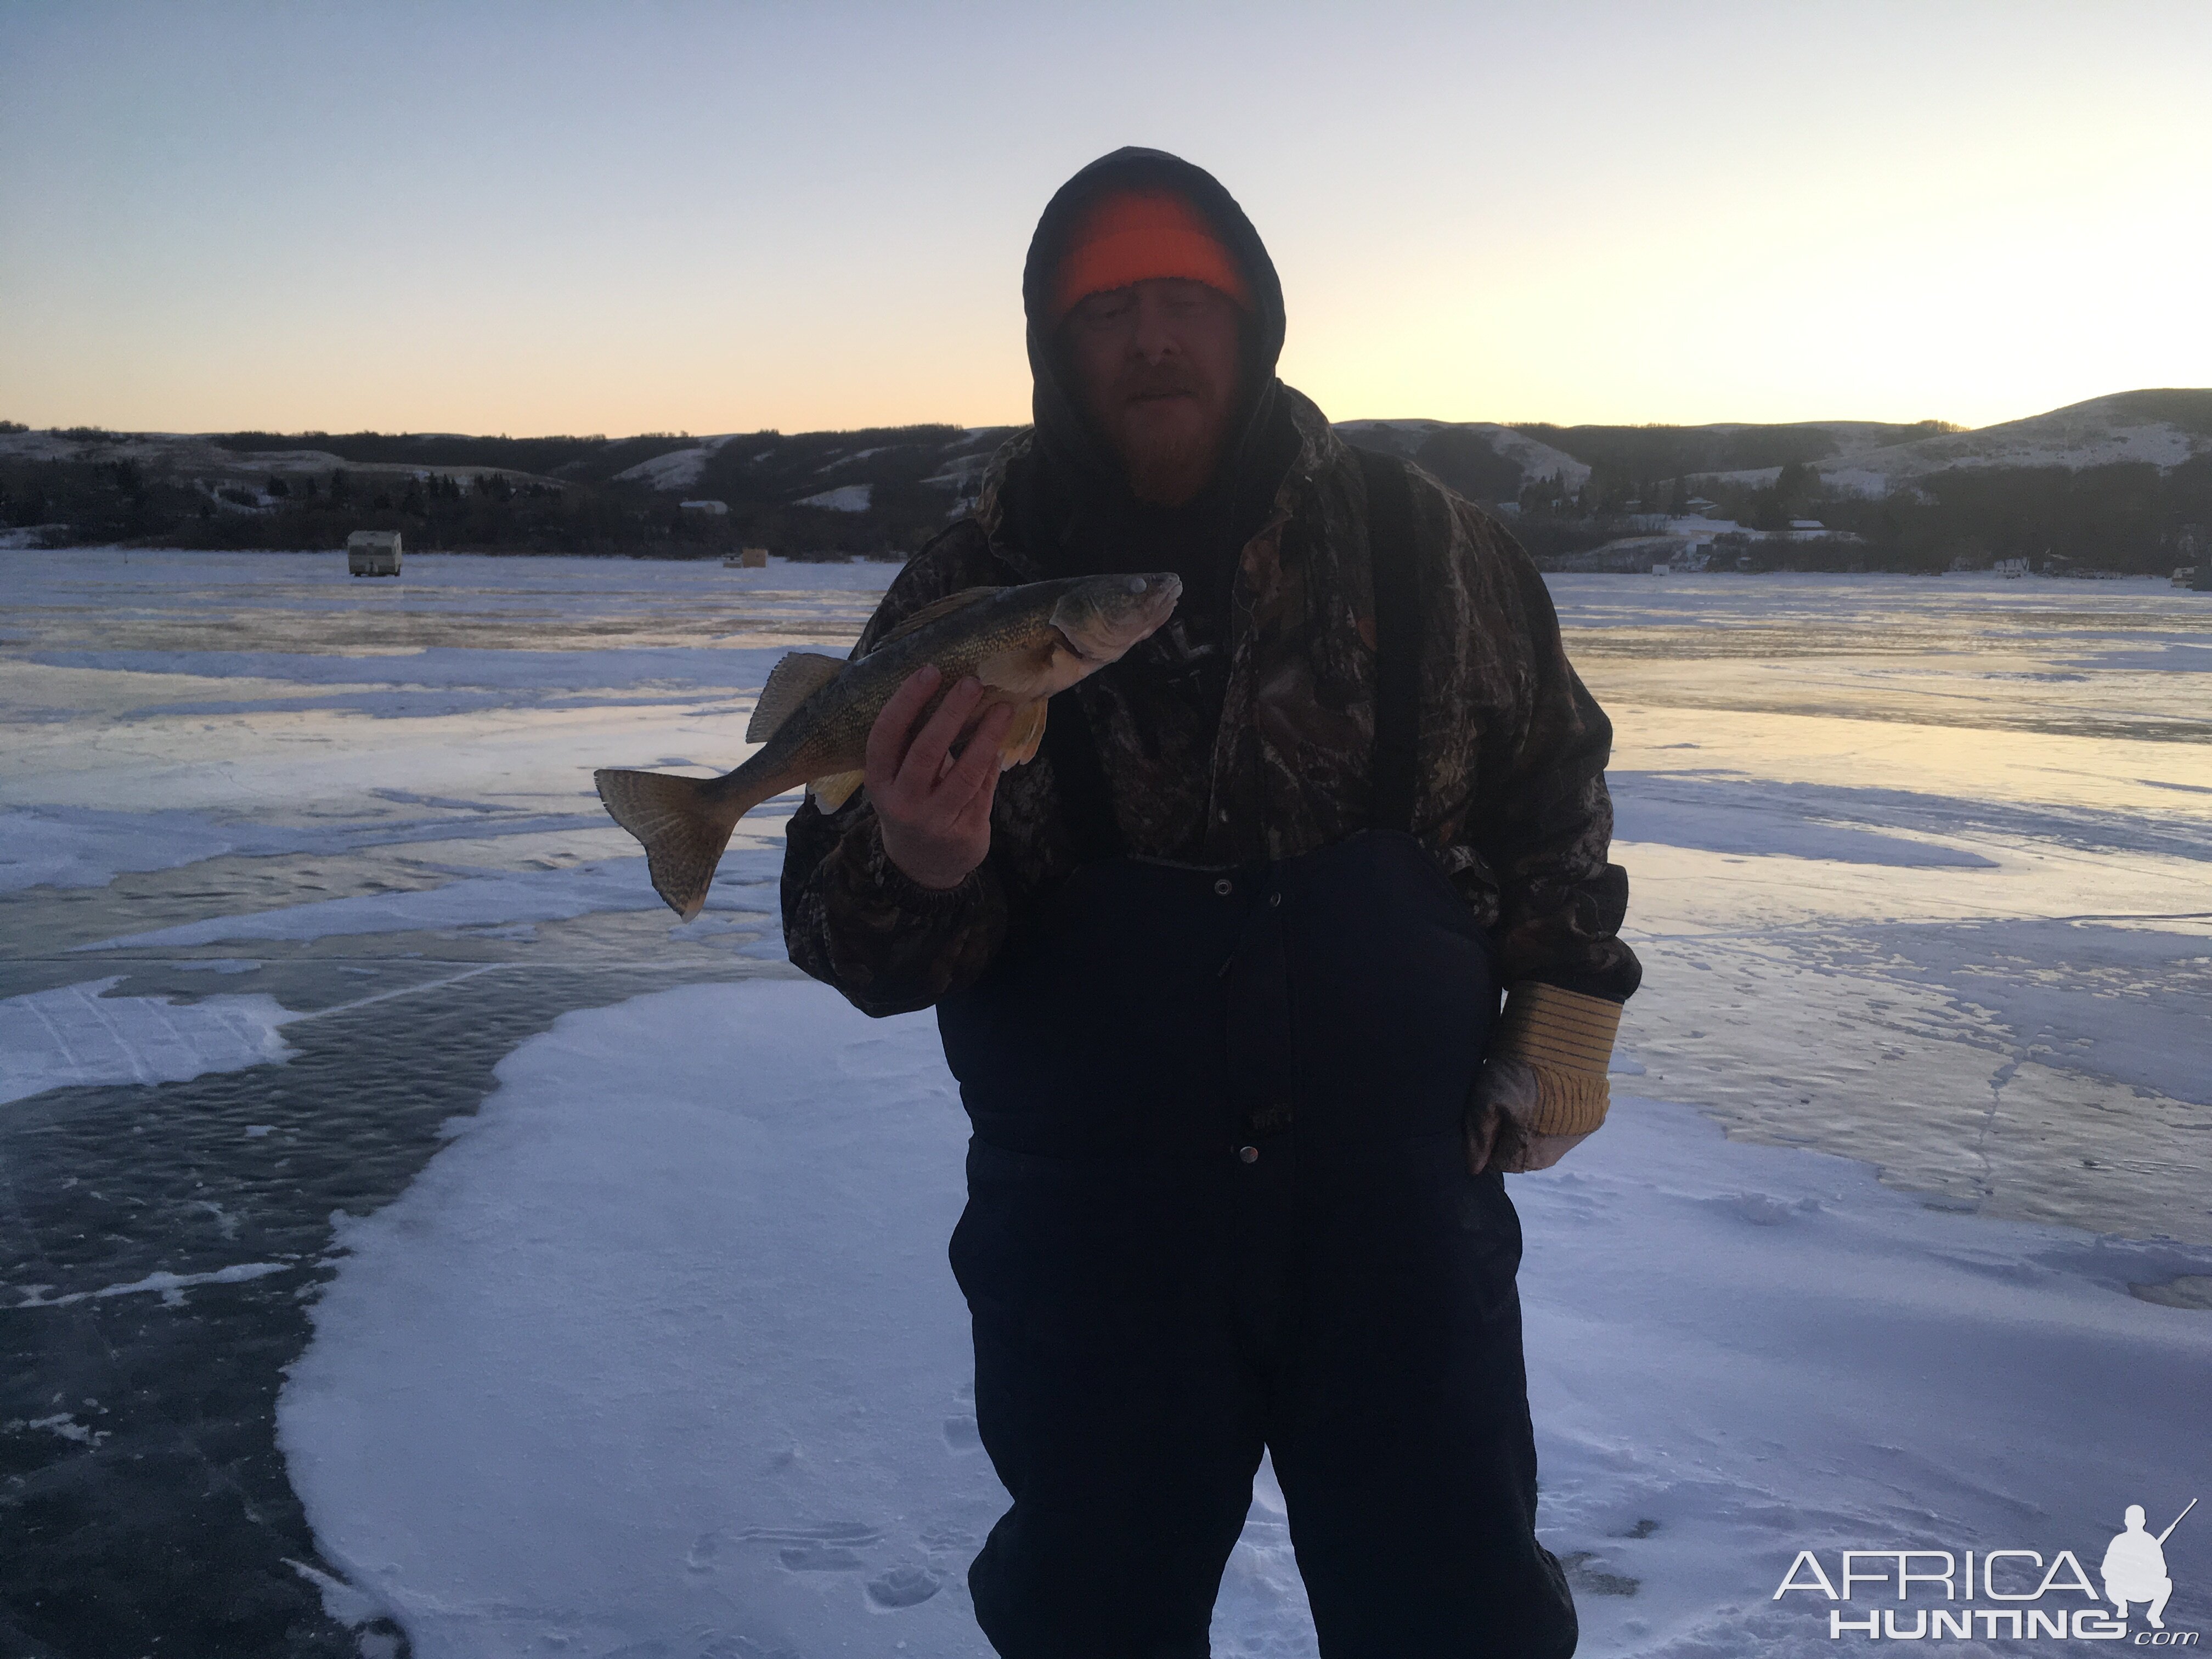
{"points": [[1019, 746], [938, 608], [1032, 669], [833, 789], [797, 676]]}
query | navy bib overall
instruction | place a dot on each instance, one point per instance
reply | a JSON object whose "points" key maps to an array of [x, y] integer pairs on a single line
{"points": [[1218, 1202]]}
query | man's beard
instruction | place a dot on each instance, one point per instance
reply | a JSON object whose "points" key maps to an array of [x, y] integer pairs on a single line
{"points": [[1167, 463], [1168, 469]]}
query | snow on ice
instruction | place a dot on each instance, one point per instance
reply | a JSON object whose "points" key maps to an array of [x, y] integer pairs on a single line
{"points": [[676, 1357], [73, 1034]]}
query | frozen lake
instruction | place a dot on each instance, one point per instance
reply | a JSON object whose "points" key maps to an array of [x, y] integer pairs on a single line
{"points": [[661, 1347]]}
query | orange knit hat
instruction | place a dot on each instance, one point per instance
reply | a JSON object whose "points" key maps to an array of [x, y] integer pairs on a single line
{"points": [[1130, 236]]}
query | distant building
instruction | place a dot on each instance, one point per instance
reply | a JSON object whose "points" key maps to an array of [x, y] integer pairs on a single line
{"points": [[747, 558], [2012, 569], [373, 553], [712, 509], [1700, 505], [1807, 524]]}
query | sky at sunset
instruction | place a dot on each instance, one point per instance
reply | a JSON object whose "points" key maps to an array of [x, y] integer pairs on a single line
{"points": [[632, 217]]}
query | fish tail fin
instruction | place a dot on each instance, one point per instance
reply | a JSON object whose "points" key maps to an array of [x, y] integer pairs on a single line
{"points": [[683, 824]]}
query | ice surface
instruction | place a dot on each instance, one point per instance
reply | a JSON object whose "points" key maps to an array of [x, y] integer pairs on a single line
{"points": [[1745, 815], [75, 1035], [1919, 875], [674, 1356], [89, 849], [470, 901], [1833, 794]]}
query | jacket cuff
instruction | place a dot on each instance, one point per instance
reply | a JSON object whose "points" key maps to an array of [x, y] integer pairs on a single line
{"points": [[1567, 1103], [1566, 1039], [890, 889]]}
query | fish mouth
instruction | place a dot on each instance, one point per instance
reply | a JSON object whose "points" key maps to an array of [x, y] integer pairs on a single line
{"points": [[1163, 605]]}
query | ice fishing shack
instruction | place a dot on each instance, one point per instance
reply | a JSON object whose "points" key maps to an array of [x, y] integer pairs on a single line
{"points": [[373, 553]]}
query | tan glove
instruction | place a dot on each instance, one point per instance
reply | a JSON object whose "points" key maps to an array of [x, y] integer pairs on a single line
{"points": [[1499, 1109], [1543, 1089]]}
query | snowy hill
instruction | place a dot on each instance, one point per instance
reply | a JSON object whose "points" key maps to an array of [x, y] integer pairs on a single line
{"points": [[199, 455], [679, 469], [2162, 428], [1434, 443]]}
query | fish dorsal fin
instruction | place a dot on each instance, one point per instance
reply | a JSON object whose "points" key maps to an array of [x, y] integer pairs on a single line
{"points": [[833, 789], [790, 682], [932, 613]]}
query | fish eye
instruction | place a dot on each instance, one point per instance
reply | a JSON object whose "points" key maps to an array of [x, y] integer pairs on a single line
{"points": [[1137, 584]]}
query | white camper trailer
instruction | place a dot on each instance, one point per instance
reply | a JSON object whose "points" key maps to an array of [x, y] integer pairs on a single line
{"points": [[373, 553]]}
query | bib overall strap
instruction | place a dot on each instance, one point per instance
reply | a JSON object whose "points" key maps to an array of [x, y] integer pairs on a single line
{"points": [[1397, 639]]}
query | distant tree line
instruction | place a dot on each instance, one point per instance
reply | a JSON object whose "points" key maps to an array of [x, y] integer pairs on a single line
{"points": [[2128, 517]]}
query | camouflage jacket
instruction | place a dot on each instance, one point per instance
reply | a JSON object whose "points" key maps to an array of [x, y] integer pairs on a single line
{"points": [[1510, 796]]}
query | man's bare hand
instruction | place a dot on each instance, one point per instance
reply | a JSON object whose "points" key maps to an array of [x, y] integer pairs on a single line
{"points": [[934, 804]]}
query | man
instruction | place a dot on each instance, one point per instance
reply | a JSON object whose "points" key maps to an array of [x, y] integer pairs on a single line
{"points": [[1219, 974]]}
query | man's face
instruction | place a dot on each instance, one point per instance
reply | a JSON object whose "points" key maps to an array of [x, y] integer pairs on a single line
{"points": [[1155, 364]]}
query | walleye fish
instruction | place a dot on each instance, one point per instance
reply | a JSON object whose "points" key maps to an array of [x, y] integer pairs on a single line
{"points": [[812, 720]]}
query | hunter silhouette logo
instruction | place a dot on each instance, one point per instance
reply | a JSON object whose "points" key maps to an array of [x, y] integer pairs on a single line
{"points": [[2015, 1594], [2135, 1567]]}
